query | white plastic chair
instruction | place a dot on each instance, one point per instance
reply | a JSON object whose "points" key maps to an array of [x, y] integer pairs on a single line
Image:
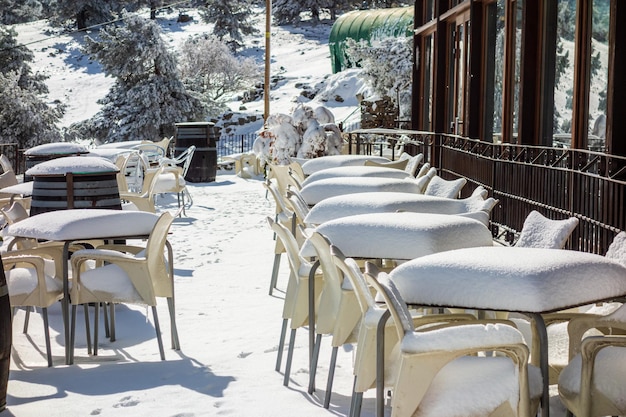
{"points": [[296, 306], [128, 274], [172, 178], [338, 313], [31, 285], [437, 377]]}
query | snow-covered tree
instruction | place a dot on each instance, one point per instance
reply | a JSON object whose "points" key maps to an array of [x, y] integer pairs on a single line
{"points": [[387, 65], [210, 69], [12, 11], [85, 13], [231, 19], [25, 117], [148, 97]]}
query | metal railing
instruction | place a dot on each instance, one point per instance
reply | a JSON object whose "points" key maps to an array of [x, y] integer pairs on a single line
{"points": [[557, 182]]}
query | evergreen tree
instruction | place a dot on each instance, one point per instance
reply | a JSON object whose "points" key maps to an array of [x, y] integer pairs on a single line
{"points": [[12, 12], [231, 19], [148, 97], [85, 13], [25, 117]]}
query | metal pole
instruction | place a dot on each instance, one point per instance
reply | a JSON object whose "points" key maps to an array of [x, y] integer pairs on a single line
{"points": [[266, 87]]}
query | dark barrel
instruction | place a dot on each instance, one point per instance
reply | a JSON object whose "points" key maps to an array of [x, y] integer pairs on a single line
{"points": [[70, 191], [6, 333], [74, 182], [204, 135]]}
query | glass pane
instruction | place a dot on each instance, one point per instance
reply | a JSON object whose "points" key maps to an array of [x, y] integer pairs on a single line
{"points": [[564, 74], [499, 38], [428, 83], [519, 9], [599, 74]]}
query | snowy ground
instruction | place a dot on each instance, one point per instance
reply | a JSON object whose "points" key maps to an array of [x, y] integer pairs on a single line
{"points": [[228, 324]]}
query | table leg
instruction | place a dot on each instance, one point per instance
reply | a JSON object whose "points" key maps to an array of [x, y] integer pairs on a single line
{"points": [[65, 302], [312, 323], [380, 364], [542, 336]]}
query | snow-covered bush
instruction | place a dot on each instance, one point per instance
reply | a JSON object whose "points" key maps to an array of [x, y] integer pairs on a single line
{"points": [[212, 71], [387, 65], [306, 133]]}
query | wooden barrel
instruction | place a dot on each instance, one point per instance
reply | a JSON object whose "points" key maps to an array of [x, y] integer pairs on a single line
{"points": [[204, 135], [74, 182], [6, 333], [71, 191]]}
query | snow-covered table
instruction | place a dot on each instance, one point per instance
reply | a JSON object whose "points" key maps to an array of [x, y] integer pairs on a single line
{"points": [[317, 191], [357, 171], [395, 236], [404, 235], [332, 161], [525, 280], [84, 224], [389, 202]]}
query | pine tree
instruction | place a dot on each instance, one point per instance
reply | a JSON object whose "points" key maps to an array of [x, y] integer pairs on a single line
{"points": [[148, 97], [12, 12], [231, 19], [85, 13], [25, 117]]}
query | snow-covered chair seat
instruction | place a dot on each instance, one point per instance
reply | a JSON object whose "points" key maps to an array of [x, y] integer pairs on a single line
{"points": [[357, 171], [594, 381], [332, 161], [361, 203], [441, 374], [401, 235], [317, 191], [30, 284]]}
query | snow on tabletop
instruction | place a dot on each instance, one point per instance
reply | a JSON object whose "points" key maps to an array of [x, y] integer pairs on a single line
{"points": [[57, 148], [388, 202], [401, 235], [356, 171], [84, 224], [317, 191], [510, 279], [332, 161], [73, 164]]}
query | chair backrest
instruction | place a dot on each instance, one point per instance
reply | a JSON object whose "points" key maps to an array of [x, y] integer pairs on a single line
{"points": [[281, 174], [154, 252], [7, 177], [539, 231], [5, 164], [352, 272], [14, 213], [387, 289], [617, 248], [399, 164], [185, 158], [330, 300], [297, 205], [283, 208]]}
